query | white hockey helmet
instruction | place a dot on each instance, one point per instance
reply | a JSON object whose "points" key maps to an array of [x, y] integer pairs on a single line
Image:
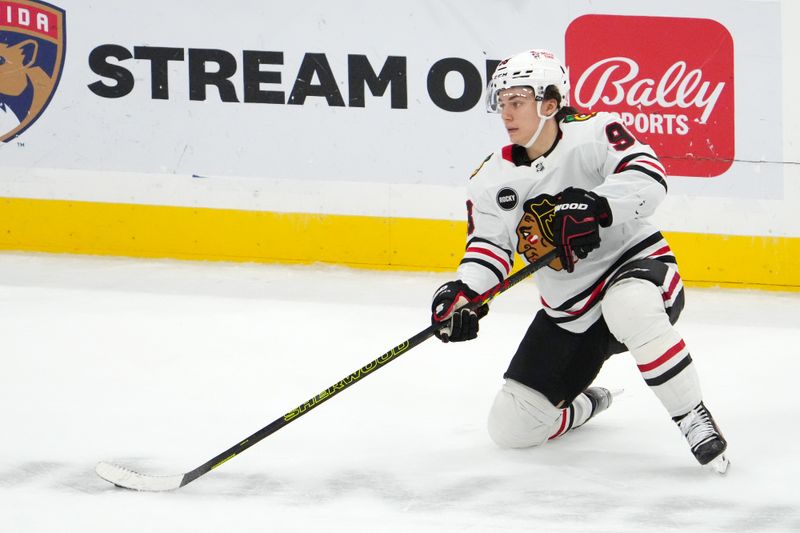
{"points": [[537, 69]]}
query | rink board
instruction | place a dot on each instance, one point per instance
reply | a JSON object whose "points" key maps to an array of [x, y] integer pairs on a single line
{"points": [[359, 241], [339, 139]]}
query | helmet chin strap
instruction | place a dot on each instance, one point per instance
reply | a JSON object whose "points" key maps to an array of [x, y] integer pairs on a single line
{"points": [[542, 120]]}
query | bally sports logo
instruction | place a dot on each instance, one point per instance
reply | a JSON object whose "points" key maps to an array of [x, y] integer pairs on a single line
{"points": [[32, 50], [670, 80]]}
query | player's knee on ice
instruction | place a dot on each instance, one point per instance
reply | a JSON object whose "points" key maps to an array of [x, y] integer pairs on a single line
{"points": [[521, 417]]}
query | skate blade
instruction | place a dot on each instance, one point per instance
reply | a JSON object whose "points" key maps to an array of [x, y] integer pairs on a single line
{"points": [[720, 464]]}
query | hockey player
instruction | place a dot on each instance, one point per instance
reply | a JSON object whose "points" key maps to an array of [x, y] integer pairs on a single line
{"points": [[584, 185]]}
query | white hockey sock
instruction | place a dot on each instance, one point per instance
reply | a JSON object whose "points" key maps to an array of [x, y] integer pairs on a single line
{"points": [[667, 368], [574, 416], [635, 314]]}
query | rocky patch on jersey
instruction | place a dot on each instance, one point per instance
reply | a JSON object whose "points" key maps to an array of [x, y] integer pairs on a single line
{"points": [[534, 230], [507, 198], [31, 59]]}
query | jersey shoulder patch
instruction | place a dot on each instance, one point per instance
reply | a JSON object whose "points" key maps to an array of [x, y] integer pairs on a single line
{"points": [[579, 117]]}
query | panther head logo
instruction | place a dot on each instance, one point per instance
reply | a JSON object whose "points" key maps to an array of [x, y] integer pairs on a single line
{"points": [[534, 230], [32, 46]]}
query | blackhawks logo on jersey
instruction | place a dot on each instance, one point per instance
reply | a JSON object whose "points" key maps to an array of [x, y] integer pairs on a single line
{"points": [[578, 117], [535, 229], [32, 47]]}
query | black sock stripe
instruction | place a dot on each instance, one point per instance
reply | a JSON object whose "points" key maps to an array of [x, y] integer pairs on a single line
{"points": [[671, 373], [571, 417]]}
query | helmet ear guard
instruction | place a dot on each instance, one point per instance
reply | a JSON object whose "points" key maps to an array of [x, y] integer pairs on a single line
{"points": [[537, 69]]}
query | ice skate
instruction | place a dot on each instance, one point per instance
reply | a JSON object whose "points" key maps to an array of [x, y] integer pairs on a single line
{"points": [[586, 406], [601, 399], [704, 437]]}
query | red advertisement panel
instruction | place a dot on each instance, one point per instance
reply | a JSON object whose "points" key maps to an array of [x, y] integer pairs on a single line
{"points": [[669, 79]]}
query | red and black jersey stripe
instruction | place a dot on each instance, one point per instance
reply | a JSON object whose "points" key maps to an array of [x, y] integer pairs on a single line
{"points": [[487, 254], [646, 164], [594, 293]]}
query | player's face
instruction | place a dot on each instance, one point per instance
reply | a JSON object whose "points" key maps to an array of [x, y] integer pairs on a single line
{"points": [[517, 106]]}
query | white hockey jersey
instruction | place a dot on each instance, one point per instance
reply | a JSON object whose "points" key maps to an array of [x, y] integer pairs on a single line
{"points": [[510, 209]]}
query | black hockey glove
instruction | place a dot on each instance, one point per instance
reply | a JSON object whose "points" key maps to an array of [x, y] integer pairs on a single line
{"points": [[458, 323], [579, 214]]}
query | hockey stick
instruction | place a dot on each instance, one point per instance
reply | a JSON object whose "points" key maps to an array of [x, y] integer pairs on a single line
{"points": [[129, 479]]}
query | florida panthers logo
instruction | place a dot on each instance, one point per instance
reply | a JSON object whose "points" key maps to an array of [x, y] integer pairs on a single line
{"points": [[32, 46], [534, 231]]}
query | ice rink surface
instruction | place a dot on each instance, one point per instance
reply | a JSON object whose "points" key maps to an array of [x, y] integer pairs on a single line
{"points": [[161, 365]]}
